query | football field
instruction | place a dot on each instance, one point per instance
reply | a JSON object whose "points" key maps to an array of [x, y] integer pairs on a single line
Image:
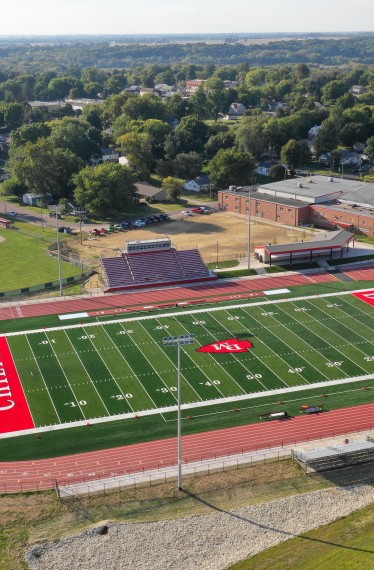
{"points": [[121, 368]]}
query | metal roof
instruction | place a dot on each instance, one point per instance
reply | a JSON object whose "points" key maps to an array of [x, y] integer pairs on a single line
{"points": [[330, 240]]}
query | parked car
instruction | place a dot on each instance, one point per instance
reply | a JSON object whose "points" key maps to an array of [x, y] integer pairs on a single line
{"points": [[125, 225], [186, 213], [138, 223], [95, 232], [197, 210], [55, 215], [12, 214]]}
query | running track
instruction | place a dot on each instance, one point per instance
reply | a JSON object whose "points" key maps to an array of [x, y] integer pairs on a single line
{"points": [[215, 292], [42, 474]]}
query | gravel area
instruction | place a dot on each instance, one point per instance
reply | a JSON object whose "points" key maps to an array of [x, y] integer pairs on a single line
{"points": [[208, 542]]}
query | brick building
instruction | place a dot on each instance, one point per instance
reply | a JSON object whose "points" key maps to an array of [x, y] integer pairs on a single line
{"points": [[322, 201]]}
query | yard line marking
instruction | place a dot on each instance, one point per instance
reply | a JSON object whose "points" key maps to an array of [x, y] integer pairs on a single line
{"points": [[136, 378], [366, 314], [334, 347], [216, 361], [157, 373], [366, 340], [88, 375], [106, 366], [63, 371], [168, 357], [42, 377], [310, 348]]}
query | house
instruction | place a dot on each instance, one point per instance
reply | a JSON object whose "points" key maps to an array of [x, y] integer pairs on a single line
{"points": [[150, 193], [164, 88], [149, 91], [357, 89], [79, 104], [264, 168], [199, 184], [3, 175], [123, 160], [4, 143], [313, 132], [346, 158], [32, 199], [230, 84], [51, 106], [193, 84], [109, 155], [237, 109]]}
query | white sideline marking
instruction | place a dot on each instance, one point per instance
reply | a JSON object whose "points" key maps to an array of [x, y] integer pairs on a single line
{"points": [[192, 312], [193, 405]]}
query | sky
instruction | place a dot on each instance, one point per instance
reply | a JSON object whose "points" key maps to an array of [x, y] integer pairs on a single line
{"points": [[53, 17]]}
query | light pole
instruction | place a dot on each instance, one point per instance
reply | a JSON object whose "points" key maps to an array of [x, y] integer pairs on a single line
{"points": [[179, 341], [58, 251]]}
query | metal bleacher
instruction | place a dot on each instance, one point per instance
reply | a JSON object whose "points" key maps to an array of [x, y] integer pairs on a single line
{"points": [[336, 456]]}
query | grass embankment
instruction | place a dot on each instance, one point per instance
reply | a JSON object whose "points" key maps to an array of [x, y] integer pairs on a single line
{"points": [[344, 544], [24, 259], [30, 519]]}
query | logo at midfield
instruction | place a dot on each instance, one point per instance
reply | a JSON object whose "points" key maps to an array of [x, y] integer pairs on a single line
{"points": [[228, 345]]}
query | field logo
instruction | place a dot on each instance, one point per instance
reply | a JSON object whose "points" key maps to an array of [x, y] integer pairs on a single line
{"points": [[228, 345]]}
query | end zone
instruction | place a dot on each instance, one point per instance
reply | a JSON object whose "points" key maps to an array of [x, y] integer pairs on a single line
{"points": [[15, 414]]}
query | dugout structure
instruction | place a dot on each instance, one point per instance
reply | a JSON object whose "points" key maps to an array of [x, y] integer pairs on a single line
{"points": [[335, 457], [153, 263]]}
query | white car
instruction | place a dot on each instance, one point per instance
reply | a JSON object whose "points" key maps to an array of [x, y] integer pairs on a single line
{"points": [[139, 223], [13, 214], [186, 213]]}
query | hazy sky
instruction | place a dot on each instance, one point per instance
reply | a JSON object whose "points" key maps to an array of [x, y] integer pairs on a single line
{"points": [[187, 16]]}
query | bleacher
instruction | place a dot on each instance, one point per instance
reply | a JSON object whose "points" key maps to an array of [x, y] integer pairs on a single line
{"points": [[152, 268], [335, 456]]}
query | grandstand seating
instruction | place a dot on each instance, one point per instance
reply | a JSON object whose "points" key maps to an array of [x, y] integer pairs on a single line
{"points": [[152, 268]]}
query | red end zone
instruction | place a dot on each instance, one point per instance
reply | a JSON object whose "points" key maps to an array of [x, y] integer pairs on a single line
{"points": [[367, 296], [15, 414]]}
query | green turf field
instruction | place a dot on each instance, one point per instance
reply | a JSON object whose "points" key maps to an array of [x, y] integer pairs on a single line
{"points": [[106, 370]]}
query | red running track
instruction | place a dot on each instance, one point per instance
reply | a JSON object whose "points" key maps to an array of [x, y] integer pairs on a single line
{"points": [[227, 290], [42, 474]]}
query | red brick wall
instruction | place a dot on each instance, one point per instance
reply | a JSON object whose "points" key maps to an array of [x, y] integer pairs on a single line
{"points": [[320, 215]]}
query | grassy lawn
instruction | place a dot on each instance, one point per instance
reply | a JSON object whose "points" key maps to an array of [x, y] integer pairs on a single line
{"points": [[236, 273], [344, 544], [223, 264], [24, 261]]}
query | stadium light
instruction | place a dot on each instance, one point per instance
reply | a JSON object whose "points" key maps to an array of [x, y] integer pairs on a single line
{"points": [[179, 341]]}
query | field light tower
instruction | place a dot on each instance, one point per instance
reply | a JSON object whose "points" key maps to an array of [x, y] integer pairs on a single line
{"points": [[179, 341]]}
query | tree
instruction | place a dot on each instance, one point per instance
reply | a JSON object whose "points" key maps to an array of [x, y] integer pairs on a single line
{"points": [[42, 167], [173, 187], [188, 165], [176, 106], [231, 166], [327, 137], [278, 172], [190, 136], [138, 149], [30, 133], [105, 189], [198, 103], [295, 153], [218, 141], [146, 107], [369, 150], [92, 115], [76, 136], [12, 115], [251, 137], [216, 96]]}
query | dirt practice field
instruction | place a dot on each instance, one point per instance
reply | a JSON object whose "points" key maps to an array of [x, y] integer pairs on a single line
{"points": [[230, 231]]}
